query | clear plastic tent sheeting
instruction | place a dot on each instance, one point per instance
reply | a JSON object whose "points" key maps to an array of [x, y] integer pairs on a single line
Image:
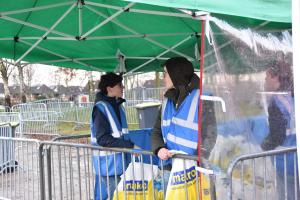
{"points": [[251, 70]]}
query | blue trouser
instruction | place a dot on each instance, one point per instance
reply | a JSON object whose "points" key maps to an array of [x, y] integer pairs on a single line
{"points": [[105, 186], [292, 186], [166, 177]]}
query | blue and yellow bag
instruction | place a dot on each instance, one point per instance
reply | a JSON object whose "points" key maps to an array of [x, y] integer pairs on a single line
{"points": [[182, 180], [137, 182]]}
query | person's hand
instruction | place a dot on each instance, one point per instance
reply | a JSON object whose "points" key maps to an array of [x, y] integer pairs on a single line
{"points": [[164, 154], [136, 147]]}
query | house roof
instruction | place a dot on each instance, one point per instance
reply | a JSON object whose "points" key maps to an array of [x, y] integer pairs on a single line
{"points": [[41, 89]]}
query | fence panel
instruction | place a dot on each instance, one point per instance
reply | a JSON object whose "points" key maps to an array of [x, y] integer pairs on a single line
{"points": [[150, 94], [7, 155], [19, 176], [29, 107], [70, 174], [70, 112], [265, 175], [9, 117], [131, 111], [44, 115], [39, 122], [59, 170], [47, 101], [4, 108], [79, 139]]}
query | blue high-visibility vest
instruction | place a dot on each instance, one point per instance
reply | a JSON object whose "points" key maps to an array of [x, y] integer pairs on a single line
{"points": [[104, 162], [180, 126], [285, 103]]}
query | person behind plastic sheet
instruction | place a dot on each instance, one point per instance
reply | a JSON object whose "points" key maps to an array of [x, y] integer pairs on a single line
{"points": [[7, 103], [177, 126], [108, 125], [279, 81]]}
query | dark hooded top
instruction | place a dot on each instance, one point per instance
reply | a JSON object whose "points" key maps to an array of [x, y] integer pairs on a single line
{"points": [[102, 126], [181, 72]]}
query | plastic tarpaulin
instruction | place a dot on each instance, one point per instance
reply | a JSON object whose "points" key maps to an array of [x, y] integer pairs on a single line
{"points": [[102, 34], [250, 68]]}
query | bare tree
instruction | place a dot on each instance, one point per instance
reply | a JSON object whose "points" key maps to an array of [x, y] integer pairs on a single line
{"points": [[68, 74], [28, 74], [15, 78], [6, 69], [57, 77], [130, 81], [22, 83], [91, 86]]}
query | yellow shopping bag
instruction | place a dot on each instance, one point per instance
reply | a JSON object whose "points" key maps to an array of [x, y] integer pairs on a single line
{"points": [[136, 190], [183, 183], [137, 182]]}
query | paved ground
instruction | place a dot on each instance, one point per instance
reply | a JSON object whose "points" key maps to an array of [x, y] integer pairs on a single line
{"points": [[68, 177]]}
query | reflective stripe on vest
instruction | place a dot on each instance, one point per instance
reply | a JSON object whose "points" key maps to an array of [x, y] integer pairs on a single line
{"points": [[107, 163], [285, 104], [105, 153], [180, 126], [117, 131]]}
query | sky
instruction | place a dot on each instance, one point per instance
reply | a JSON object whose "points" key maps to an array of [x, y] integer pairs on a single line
{"points": [[45, 74]]}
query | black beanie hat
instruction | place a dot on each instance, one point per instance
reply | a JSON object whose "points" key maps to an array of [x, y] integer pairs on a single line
{"points": [[109, 79], [180, 71]]}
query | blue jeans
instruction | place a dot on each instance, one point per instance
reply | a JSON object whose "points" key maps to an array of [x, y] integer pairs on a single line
{"points": [[291, 184], [105, 187], [166, 179]]}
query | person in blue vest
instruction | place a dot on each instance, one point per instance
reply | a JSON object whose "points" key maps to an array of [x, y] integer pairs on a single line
{"points": [[108, 126], [281, 118], [176, 128]]}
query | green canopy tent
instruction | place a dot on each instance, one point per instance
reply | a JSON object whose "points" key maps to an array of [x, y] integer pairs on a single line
{"points": [[100, 34]]}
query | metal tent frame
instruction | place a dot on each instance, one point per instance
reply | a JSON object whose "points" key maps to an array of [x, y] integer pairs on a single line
{"points": [[80, 4]]}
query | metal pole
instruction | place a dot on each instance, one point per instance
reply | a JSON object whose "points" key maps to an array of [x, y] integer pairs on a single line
{"points": [[134, 32], [35, 8], [45, 34], [48, 154], [166, 51], [34, 26], [56, 54], [107, 20], [80, 7], [94, 58], [296, 68], [101, 37], [149, 12], [42, 173]]}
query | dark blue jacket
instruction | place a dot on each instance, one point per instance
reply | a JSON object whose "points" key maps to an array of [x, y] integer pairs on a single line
{"points": [[102, 126]]}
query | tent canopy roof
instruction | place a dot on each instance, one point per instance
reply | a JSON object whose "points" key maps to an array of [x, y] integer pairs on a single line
{"points": [[271, 10], [101, 34]]}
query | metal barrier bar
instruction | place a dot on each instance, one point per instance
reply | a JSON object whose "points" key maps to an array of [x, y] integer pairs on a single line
{"points": [[4, 108], [144, 94], [39, 122], [74, 138], [6, 155], [9, 117], [82, 176], [263, 186], [43, 117], [20, 179], [59, 170], [205, 164]]}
